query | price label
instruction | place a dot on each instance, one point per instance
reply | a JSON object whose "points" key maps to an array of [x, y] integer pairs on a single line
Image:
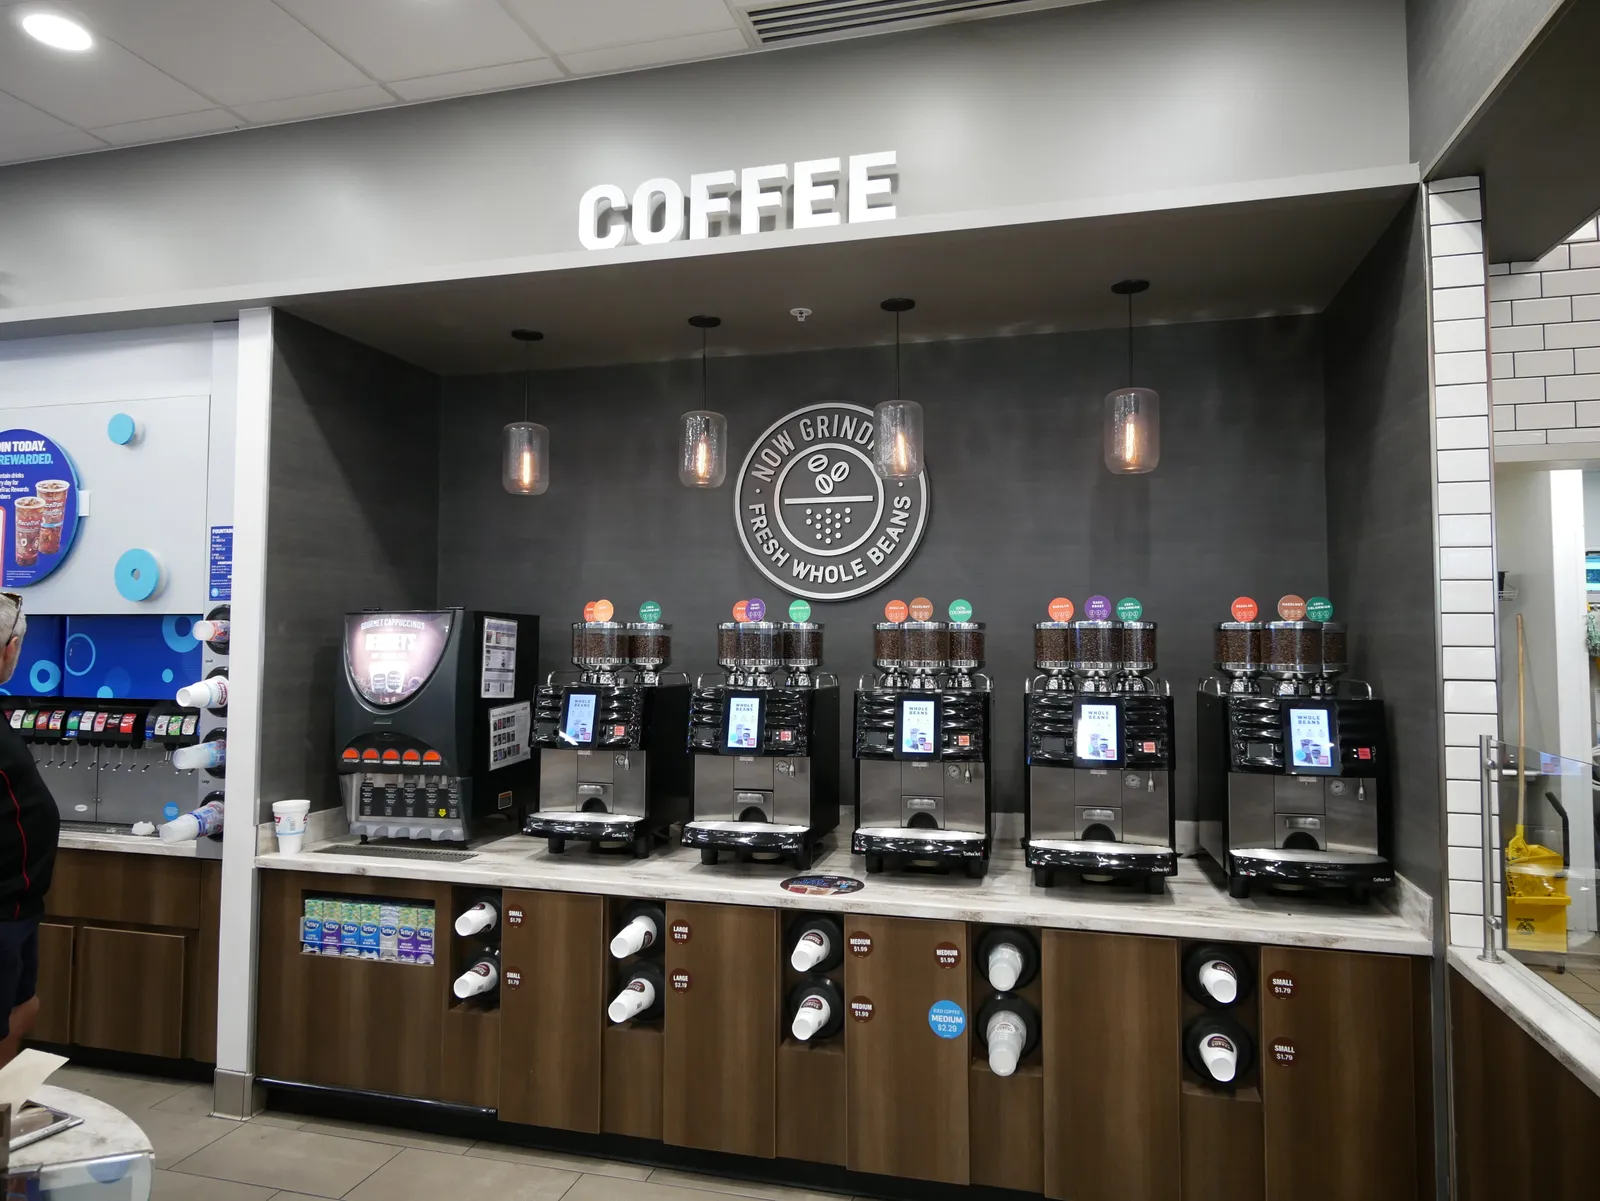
{"points": [[860, 944], [1245, 609], [649, 611], [1283, 1051], [895, 610], [680, 931], [948, 954], [921, 608], [861, 1009], [799, 610], [1292, 607], [513, 916], [680, 980], [513, 978], [1282, 984], [947, 1019], [1062, 609]]}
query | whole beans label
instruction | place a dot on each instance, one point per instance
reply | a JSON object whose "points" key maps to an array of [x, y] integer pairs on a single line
{"points": [[921, 608], [1245, 609], [1062, 609], [1292, 607], [895, 610]]}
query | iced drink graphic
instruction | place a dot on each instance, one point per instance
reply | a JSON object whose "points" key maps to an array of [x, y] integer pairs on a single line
{"points": [[53, 494], [29, 516]]}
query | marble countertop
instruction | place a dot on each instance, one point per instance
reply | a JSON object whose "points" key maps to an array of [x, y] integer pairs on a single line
{"points": [[1557, 1023], [1195, 905], [105, 1131], [75, 838]]}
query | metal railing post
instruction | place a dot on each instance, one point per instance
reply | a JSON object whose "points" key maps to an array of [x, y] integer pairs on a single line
{"points": [[1486, 768]]}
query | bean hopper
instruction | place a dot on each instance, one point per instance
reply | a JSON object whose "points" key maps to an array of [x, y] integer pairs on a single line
{"points": [[921, 743], [765, 742], [613, 767], [1293, 758], [1098, 749]]}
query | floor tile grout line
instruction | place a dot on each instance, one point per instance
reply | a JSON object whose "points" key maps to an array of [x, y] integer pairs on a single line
{"points": [[379, 1168]]}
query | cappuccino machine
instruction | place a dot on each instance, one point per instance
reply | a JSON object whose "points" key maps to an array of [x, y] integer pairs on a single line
{"points": [[613, 764], [1099, 748], [432, 727], [765, 741], [921, 741], [1293, 758]]}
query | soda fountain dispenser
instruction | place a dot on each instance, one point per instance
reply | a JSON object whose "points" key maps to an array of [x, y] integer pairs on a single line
{"points": [[613, 763], [1293, 759], [921, 741], [1099, 749], [765, 741], [432, 727]]}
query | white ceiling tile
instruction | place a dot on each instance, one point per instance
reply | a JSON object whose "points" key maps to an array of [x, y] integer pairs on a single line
{"points": [[101, 86], [234, 51], [484, 79], [159, 129], [567, 26], [27, 133], [325, 105], [407, 39], [651, 54]]}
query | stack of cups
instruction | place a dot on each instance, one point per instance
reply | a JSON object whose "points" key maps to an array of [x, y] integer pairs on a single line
{"points": [[289, 823]]}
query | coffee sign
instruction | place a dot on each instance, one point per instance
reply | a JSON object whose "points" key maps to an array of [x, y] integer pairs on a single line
{"points": [[812, 513]]}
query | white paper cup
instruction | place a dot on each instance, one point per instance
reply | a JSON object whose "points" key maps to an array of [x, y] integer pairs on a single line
{"points": [[289, 824]]}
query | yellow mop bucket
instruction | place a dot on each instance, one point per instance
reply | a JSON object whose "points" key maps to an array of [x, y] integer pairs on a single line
{"points": [[1536, 897]]}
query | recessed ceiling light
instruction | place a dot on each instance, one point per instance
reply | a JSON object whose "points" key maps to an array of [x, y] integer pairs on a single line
{"points": [[57, 31]]}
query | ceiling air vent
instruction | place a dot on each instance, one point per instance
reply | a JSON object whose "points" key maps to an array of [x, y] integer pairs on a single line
{"points": [[777, 23]]}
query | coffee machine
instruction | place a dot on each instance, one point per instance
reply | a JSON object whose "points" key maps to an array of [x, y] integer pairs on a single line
{"points": [[431, 730], [765, 744], [921, 741], [613, 764], [1098, 750], [1293, 759]]}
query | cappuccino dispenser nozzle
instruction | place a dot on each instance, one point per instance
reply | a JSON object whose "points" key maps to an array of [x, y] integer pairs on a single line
{"points": [[477, 920]]}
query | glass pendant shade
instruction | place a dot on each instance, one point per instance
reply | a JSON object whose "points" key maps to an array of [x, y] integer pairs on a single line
{"points": [[525, 458], [1133, 431], [702, 449], [897, 447]]}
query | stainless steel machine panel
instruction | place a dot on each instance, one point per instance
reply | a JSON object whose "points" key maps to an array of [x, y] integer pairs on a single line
{"points": [[558, 780], [916, 810], [594, 765], [1299, 827], [713, 788], [1098, 786], [880, 792], [1051, 793], [791, 791], [1250, 810], [752, 771], [630, 782], [745, 800], [72, 776], [921, 779], [1144, 808], [1352, 813], [1297, 794], [594, 797], [1098, 818], [963, 797]]}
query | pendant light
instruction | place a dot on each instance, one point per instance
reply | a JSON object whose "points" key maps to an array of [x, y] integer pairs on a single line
{"points": [[1133, 415], [525, 445], [897, 447], [702, 434]]}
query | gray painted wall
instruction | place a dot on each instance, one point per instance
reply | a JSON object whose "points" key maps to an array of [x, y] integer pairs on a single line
{"points": [[1380, 519], [1099, 100], [1459, 51], [1023, 509], [352, 523]]}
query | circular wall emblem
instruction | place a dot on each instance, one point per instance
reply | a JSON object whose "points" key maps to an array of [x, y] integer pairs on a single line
{"points": [[813, 514]]}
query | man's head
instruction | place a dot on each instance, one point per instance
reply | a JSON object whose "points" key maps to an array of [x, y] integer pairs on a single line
{"points": [[13, 628]]}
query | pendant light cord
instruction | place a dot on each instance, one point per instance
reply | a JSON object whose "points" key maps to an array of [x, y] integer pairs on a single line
{"points": [[897, 388], [1130, 339], [527, 381], [705, 386]]}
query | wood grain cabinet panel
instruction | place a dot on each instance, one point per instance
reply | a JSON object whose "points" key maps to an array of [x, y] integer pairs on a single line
{"points": [[812, 1122], [128, 991], [1109, 1024], [55, 983], [630, 1097], [134, 890], [552, 1001], [720, 1029], [908, 1087], [469, 1067], [1008, 1128], [1338, 1076]]}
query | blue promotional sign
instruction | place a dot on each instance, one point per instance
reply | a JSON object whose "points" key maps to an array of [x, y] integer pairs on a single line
{"points": [[38, 506], [220, 586], [947, 1019]]}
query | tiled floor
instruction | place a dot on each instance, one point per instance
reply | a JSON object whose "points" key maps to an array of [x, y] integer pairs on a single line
{"points": [[284, 1157], [1582, 984]]}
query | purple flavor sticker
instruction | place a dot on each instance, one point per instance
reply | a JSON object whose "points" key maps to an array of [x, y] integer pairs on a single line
{"points": [[756, 609], [1097, 608]]}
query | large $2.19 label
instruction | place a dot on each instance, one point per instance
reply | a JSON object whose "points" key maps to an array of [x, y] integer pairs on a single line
{"points": [[812, 513]]}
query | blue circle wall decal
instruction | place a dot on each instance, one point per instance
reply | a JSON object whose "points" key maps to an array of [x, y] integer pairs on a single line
{"points": [[122, 429], [44, 677], [176, 630], [138, 575], [78, 647]]}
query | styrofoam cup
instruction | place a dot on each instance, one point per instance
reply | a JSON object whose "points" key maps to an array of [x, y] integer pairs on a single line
{"points": [[289, 824]]}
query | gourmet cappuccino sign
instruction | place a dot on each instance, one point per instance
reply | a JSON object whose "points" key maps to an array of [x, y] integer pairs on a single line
{"points": [[813, 514]]}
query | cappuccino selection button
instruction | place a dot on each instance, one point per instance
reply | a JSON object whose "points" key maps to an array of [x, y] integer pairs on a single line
{"points": [[370, 755]]}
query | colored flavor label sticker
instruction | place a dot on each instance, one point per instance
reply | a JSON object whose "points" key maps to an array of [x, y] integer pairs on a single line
{"points": [[741, 610], [921, 608], [895, 610], [1319, 608], [1245, 609], [860, 944], [861, 1009], [1129, 609], [756, 609], [947, 1019], [822, 886], [947, 954], [588, 612], [960, 610], [604, 610], [1292, 607], [799, 610], [1062, 609], [650, 611], [1097, 608]]}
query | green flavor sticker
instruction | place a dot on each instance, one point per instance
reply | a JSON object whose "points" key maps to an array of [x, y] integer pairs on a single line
{"points": [[650, 611], [960, 610], [1319, 608], [1129, 609], [799, 610]]}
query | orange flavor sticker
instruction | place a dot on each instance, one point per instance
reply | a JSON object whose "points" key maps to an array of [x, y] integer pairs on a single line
{"points": [[741, 611], [1062, 609], [895, 610], [1292, 608], [921, 608], [588, 612], [1245, 609], [603, 610]]}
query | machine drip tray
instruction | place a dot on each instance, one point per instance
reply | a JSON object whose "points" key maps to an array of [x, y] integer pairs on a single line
{"points": [[348, 848]]}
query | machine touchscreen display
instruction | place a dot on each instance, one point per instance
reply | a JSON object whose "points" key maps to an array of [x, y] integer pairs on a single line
{"points": [[1311, 747], [577, 722], [744, 724], [1097, 740], [917, 731]]}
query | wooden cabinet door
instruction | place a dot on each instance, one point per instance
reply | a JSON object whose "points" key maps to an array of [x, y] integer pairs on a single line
{"points": [[1110, 1029], [720, 1029], [128, 991], [907, 1085], [552, 1006], [55, 984], [1337, 1073]]}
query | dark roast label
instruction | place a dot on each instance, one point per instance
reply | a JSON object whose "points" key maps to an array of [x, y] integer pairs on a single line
{"points": [[1283, 1051], [680, 980], [680, 932], [948, 954], [814, 515], [861, 1009], [1282, 984], [860, 944]]}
